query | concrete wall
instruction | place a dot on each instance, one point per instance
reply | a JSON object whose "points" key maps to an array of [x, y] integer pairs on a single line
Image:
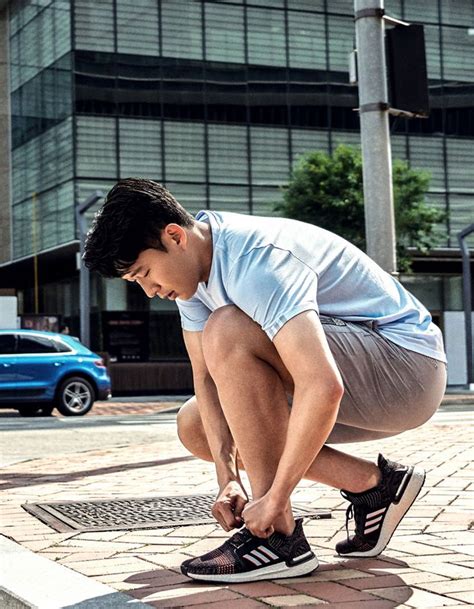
{"points": [[455, 344], [5, 208]]}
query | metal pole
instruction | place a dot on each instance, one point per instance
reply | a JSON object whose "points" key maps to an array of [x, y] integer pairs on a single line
{"points": [[375, 134], [467, 300], [84, 275]]}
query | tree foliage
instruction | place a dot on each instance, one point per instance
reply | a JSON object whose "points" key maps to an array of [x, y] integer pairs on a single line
{"points": [[327, 190]]}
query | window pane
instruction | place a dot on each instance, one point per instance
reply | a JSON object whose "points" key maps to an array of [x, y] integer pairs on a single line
{"points": [[341, 42], [225, 33], [96, 147], [137, 27], [423, 12], [393, 8], [458, 54], [343, 7], [349, 138], [305, 140], [65, 219], [7, 344], [140, 148], [36, 344], [184, 151], [191, 196], [94, 25], [230, 198], [306, 5], [433, 58], [265, 199], [460, 154], [270, 163], [228, 156], [457, 12], [181, 29], [399, 147], [307, 41], [427, 153], [266, 37]]}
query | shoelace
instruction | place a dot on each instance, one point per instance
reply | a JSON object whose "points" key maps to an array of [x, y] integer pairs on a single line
{"points": [[240, 537], [359, 518]]}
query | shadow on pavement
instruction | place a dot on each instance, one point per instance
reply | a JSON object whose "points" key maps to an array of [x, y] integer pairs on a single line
{"points": [[19, 480], [161, 585]]}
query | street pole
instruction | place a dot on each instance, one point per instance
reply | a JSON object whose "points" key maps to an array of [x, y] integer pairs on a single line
{"points": [[84, 275], [375, 134], [467, 301]]}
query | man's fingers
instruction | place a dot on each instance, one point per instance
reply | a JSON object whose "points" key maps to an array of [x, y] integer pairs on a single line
{"points": [[224, 515], [240, 503]]}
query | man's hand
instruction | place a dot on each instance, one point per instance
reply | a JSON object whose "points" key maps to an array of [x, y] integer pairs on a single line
{"points": [[227, 509], [259, 515]]}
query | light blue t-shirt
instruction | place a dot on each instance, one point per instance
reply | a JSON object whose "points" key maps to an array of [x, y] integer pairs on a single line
{"points": [[276, 268]]}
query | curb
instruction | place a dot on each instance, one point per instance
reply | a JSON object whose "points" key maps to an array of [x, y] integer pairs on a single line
{"points": [[29, 581]]}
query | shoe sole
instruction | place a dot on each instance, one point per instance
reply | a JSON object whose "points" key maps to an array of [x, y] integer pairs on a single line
{"points": [[277, 571], [395, 513]]}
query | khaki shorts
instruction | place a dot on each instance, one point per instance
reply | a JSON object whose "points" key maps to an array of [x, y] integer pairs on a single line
{"points": [[387, 389]]}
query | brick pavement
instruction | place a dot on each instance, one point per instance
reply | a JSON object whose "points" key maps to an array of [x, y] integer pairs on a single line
{"points": [[429, 562]]}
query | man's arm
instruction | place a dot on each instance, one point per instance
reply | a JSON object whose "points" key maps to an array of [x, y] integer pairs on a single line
{"points": [[232, 497], [303, 348]]}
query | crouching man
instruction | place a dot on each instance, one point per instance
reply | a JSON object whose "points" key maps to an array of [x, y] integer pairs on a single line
{"points": [[278, 312]]}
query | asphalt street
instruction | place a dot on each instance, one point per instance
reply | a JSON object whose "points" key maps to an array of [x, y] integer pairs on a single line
{"points": [[22, 439]]}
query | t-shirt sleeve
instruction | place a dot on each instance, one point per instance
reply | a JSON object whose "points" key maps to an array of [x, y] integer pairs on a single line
{"points": [[271, 286], [193, 313]]}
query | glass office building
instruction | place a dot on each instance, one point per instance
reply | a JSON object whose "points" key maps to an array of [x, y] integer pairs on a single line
{"points": [[217, 100]]}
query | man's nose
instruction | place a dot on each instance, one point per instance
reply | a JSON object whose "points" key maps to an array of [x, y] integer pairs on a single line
{"points": [[149, 290]]}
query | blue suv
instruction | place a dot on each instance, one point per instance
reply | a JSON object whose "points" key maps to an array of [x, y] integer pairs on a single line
{"points": [[43, 370]]}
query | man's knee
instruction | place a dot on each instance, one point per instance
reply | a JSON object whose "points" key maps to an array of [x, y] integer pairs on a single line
{"points": [[191, 431], [224, 333]]}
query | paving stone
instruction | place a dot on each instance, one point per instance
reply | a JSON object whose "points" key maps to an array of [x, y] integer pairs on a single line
{"points": [[261, 589], [331, 592], [295, 600], [467, 597], [413, 597]]}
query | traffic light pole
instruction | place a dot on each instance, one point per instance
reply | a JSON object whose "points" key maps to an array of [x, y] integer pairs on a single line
{"points": [[375, 134], [84, 276]]}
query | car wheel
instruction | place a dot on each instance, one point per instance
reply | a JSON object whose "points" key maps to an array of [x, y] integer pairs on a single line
{"points": [[75, 397], [35, 411]]}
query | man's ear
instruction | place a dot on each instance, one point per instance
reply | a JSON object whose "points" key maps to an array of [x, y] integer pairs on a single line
{"points": [[176, 234]]}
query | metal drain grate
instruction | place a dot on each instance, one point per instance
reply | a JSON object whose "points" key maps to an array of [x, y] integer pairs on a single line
{"points": [[134, 513]]}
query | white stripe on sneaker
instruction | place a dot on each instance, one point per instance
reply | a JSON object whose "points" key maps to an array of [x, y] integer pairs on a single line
{"points": [[260, 555], [369, 523], [402, 483], [376, 513], [305, 555], [372, 529], [252, 559], [267, 552]]}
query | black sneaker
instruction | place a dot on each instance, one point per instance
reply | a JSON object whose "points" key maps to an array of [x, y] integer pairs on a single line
{"points": [[246, 558], [378, 511]]}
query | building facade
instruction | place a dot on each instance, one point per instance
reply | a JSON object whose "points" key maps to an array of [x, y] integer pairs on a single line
{"points": [[217, 100]]}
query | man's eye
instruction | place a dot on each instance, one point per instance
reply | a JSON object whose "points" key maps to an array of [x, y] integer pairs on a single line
{"points": [[146, 273]]}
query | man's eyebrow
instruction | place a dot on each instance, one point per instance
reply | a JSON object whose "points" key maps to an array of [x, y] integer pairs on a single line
{"points": [[136, 271]]}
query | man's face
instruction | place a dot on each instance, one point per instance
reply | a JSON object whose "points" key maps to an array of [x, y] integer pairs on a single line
{"points": [[171, 274]]}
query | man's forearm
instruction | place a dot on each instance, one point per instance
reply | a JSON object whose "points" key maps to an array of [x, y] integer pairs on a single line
{"points": [[219, 437], [311, 421]]}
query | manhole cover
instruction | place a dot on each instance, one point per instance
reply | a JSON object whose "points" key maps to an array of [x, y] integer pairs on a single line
{"points": [[134, 513]]}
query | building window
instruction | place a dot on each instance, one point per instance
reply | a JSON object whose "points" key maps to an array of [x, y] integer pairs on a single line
{"points": [[225, 33], [228, 154], [181, 29], [96, 140], [184, 151], [266, 37], [140, 148], [137, 27]]}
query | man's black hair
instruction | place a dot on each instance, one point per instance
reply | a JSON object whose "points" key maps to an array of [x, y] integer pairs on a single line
{"points": [[130, 221]]}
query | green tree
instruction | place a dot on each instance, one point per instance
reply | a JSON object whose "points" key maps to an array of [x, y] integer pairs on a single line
{"points": [[327, 190]]}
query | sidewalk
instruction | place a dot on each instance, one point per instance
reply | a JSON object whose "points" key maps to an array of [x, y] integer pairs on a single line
{"points": [[429, 562]]}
